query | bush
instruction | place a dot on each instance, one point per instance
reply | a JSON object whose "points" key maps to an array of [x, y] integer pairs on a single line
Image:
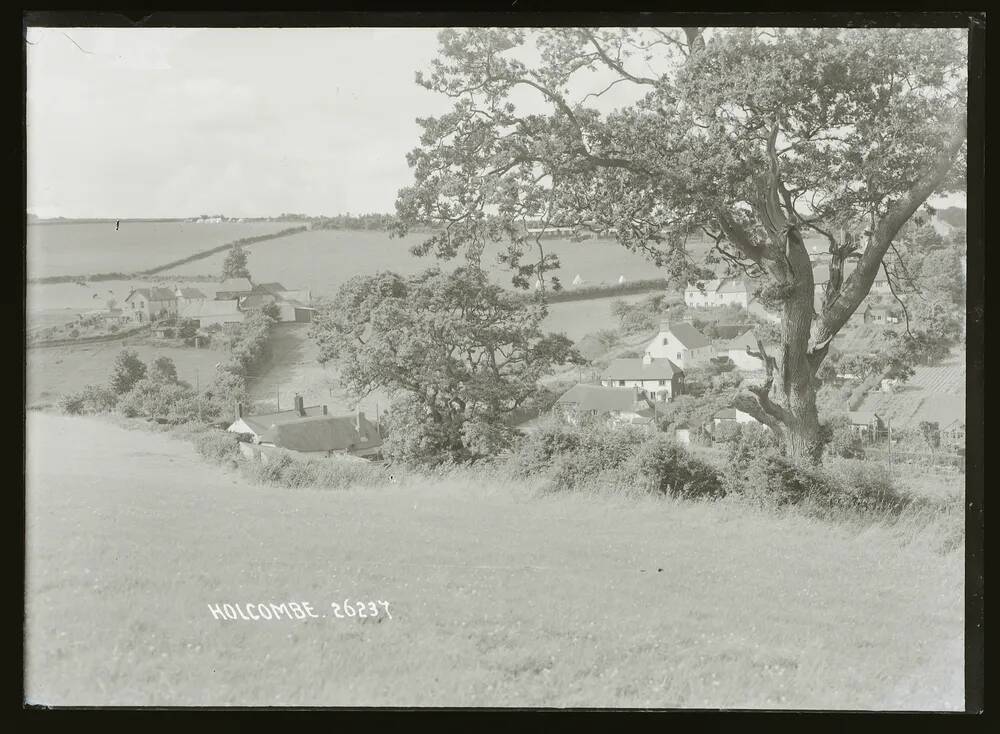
{"points": [[286, 470], [844, 442], [772, 480], [867, 487], [89, 400], [218, 446], [601, 450], [73, 334], [127, 371], [150, 397], [662, 466], [538, 450]]}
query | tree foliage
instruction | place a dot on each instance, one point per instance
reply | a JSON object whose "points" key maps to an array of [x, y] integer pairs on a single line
{"points": [[128, 369], [460, 353], [752, 136], [235, 264]]}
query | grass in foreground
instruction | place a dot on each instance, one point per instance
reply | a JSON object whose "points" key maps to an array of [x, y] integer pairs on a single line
{"points": [[499, 596]]}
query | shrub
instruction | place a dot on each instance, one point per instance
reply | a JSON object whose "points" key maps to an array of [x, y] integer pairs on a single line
{"points": [[127, 371], [74, 333], [772, 480], [538, 450], [286, 470], [218, 446], [867, 487], [150, 397], [661, 466], [600, 450], [844, 442], [88, 400]]}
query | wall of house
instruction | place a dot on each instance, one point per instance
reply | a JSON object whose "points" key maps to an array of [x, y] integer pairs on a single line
{"points": [[697, 299], [741, 417], [652, 386]]}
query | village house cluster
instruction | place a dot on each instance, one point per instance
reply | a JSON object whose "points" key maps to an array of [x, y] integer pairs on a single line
{"points": [[227, 302]]}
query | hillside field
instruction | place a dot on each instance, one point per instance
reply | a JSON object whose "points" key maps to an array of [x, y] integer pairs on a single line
{"points": [[52, 371], [498, 596]]}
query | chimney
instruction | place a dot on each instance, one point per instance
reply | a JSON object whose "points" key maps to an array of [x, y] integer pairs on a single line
{"points": [[324, 410], [239, 410], [647, 358], [664, 325], [300, 406], [359, 422]]}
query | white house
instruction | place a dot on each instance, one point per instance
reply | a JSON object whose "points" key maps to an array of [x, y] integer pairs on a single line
{"points": [[208, 312], [148, 304], [718, 292], [660, 378], [682, 344]]}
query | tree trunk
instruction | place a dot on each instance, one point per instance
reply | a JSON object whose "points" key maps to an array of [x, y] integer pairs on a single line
{"points": [[797, 372]]}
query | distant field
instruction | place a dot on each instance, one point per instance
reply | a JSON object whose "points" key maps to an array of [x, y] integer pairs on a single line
{"points": [[86, 248], [576, 319], [498, 597], [324, 259], [52, 371]]}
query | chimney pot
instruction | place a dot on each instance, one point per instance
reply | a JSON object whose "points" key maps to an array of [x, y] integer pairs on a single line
{"points": [[239, 410], [324, 410], [300, 405]]}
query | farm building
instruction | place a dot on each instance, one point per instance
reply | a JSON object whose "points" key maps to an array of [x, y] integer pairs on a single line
{"points": [[732, 416], [189, 294], [718, 292], [208, 313], [232, 288], [622, 406], [311, 431], [660, 378], [682, 344], [149, 304]]}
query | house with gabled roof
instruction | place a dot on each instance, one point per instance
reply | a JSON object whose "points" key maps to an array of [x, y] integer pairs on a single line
{"points": [[717, 292], [682, 344], [620, 405], [149, 304], [659, 378], [232, 288]]}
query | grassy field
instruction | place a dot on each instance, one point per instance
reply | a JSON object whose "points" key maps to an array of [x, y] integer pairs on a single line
{"points": [[325, 259], [498, 596], [84, 248], [52, 371]]}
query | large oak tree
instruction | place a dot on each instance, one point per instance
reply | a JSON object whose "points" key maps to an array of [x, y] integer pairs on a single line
{"points": [[753, 137]]}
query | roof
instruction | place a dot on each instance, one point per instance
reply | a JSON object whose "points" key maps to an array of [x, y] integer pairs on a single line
{"points": [[603, 399], [687, 335], [636, 369], [272, 288], [747, 339], [191, 293], [861, 417], [908, 411], [203, 308], [262, 421], [232, 285], [727, 414], [256, 300], [153, 294], [323, 433], [721, 285]]}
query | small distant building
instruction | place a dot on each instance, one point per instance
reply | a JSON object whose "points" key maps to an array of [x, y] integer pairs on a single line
{"points": [[878, 314], [189, 294], [659, 378], [149, 304], [718, 292], [232, 288], [209, 313], [864, 423], [821, 276], [682, 344], [622, 406], [733, 416], [736, 350]]}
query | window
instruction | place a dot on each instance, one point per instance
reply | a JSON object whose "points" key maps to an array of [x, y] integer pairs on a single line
{"points": [[621, 383], [666, 340], [663, 382], [678, 355]]}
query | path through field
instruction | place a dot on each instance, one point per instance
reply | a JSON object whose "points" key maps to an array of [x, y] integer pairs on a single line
{"points": [[497, 597]]}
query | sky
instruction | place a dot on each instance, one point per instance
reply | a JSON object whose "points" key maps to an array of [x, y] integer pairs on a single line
{"points": [[178, 122], [243, 122]]}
